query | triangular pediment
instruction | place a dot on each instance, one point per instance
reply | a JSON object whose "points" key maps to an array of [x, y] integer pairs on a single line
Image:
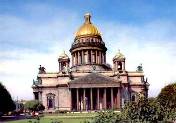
{"points": [[94, 78]]}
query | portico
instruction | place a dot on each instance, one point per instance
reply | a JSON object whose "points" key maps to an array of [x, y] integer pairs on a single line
{"points": [[86, 94]]}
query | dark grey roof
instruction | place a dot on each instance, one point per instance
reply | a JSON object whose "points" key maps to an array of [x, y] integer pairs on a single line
{"points": [[94, 78]]}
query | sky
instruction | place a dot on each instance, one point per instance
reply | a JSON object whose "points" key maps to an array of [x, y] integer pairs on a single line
{"points": [[34, 32]]}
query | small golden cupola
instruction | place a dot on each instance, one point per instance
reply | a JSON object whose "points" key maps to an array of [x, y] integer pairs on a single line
{"points": [[87, 29], [119, 56], [64, 61], [119, 62]]}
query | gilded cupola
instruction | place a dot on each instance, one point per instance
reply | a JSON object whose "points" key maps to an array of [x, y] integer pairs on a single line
{"points": [[87, 29], [63, 55], [119, 56]]}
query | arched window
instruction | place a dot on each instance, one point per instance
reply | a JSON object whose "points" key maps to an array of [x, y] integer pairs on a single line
{"points": [[50, 100], [119, 66]]}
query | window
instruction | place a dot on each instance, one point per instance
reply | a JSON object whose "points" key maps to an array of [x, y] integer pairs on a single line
{"points": [[50, 100]]}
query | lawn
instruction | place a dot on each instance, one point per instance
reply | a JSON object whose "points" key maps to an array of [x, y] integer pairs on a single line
{"points": [[46, 120], [66, 118]]}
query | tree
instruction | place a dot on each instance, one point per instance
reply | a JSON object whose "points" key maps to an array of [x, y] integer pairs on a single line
{"points": [[6, 103], [167, 99], [107, 117], [144, 110], [34, 105]]}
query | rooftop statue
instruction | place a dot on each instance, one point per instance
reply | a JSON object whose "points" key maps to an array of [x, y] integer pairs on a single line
{"points": [[42, 70]]}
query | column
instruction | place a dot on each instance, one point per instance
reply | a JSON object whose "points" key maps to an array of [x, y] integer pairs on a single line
{"points": [[118, 99], [100, 57], [91, 99], [91, 54], [84, 97], [104, 98], [78, 57], [87, 56], [112, 98], [82, 57], [123, 63], [77, 99], [72, 60], [71, 105], [98, 99], [105, 58], [96, 56]]}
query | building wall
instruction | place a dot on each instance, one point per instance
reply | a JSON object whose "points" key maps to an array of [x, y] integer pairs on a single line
{"points": [[64, 98], [46, 91]]}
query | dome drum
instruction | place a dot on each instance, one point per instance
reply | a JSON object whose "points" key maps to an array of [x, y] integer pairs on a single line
{"points": [[89, 45]]}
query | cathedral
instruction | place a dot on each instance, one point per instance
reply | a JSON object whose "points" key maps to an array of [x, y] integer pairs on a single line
{"points": [[85, 82]]}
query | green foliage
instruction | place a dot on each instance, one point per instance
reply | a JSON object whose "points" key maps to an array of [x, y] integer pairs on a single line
{"points": [[167, 100], [107, 117], [144, 110], [6, 103], [34, 105]]}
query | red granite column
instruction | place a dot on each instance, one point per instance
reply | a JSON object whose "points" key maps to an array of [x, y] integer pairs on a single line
{"points": [[104, 97], [112, 98], [91, 99], [84, 97], [118, 99], [77, 99], [98, 99]]}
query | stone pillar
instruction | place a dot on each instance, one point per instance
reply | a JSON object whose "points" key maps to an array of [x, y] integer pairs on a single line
{"points": [[118, 99], [84, 99], [105, 58], [102, 58], [70, 100], [91, 99], [98, 99], [82, 57], [112, 98], [96, 56], [72, 60], [104, 96], [123, 63], [77, 99], [91, 56], [87, 57], [78, 57]]}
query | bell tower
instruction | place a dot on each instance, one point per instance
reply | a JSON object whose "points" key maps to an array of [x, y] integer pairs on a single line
{"points": [[119, 62], [64, 62]]}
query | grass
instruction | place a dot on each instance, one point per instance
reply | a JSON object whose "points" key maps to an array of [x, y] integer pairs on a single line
{"points": [[65, 118], [44, 120]]}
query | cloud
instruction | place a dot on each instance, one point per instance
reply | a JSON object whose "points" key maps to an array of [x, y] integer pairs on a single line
{"points": [[25, 44], [152, 44]]}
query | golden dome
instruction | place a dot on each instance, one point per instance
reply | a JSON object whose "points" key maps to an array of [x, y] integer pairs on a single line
{"points": [[119, 55], [63, 55], [87, 29]]}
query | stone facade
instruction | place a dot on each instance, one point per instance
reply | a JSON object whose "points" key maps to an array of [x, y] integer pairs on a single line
{"points": [[90, 83]]}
